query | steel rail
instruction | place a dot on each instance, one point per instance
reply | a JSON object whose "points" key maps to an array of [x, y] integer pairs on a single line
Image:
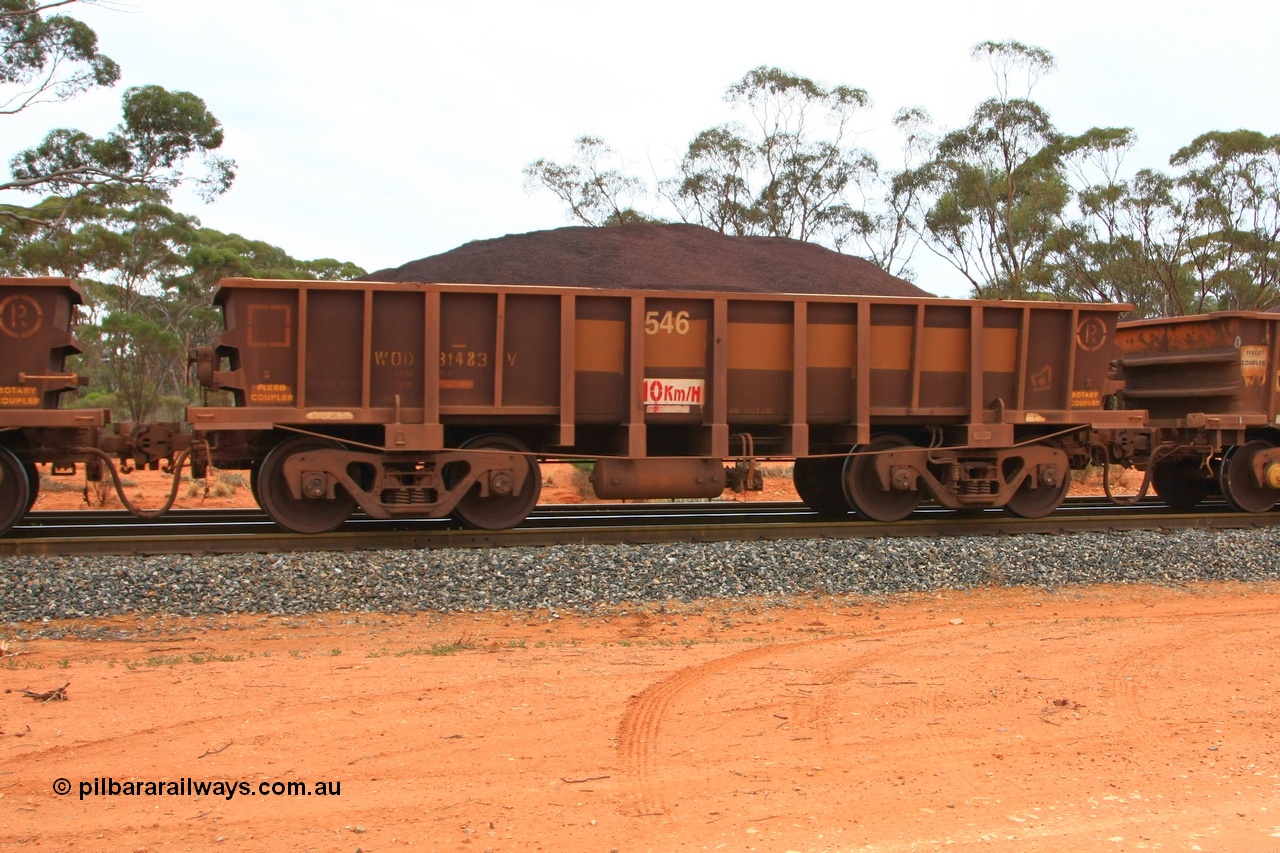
{"points": [[246, 531]]}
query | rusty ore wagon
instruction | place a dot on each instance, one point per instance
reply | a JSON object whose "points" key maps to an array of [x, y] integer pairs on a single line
{"points": [[437, 399], [35, 340], [1211, 385]]}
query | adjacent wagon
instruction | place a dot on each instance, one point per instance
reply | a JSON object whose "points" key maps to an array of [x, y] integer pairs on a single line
{"points": [[1211, 386], [36, 316]]}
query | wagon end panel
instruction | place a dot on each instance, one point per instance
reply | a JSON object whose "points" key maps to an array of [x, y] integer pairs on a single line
{"points": [[1095, 349], [1215, 370], [36, 315], [259, 345], [1063, 355]]}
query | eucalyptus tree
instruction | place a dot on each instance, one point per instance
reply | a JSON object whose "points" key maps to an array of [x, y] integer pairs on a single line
{"points": [[790, 169], [789, 172], [1102, 249], [1204, 237], [886, 229], [1231, 181], [596, 191], [994, 189], [47, 58], [52, 58]]}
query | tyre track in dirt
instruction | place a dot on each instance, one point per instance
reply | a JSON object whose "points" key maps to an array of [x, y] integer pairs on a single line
{"points": [[1200, 713], [640, 730], [821, 709], [641, 725]]}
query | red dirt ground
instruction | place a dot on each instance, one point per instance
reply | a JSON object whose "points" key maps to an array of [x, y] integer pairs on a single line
{"points": [[1122, 718], [1099, 718]]}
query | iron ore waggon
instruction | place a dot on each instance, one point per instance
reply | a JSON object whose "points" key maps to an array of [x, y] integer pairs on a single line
{"points": [[36, 319], [438, 399], [35, 339], [1211, 386]]}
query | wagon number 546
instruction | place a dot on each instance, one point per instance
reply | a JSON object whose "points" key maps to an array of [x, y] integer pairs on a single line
{"points": [[676, 322]]}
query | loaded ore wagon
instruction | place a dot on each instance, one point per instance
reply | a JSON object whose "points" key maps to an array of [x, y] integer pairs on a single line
{"points": [[438, 399], [1211, 385]]}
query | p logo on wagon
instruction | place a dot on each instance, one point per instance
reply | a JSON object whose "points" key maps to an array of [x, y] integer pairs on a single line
{"points": [[20, 316]]}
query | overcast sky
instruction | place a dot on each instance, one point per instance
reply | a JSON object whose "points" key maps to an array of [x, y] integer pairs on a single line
{"points": [[382, 131]]}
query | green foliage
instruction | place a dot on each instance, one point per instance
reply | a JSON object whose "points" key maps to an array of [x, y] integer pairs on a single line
{"points": [[1107, 248], [160, 133], [132, 350], [781, 178], [997, 184], [1232, 183], [593, 190], [1204, 239], [47, 59], [213, 255], [1010, 58], [54, 58]]}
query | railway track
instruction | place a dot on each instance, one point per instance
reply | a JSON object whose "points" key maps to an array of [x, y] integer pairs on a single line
{"points": [[238, 531]]}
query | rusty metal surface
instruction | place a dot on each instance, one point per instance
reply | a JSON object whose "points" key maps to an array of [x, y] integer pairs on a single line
{"points": [[626, 376], [636, 374], [695, 477], [35, 339], [1209, 371]]}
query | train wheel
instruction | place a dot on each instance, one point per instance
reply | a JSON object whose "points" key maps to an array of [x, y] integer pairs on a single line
{"points": [[499, 511], [253, 483], [33, 483], [1038, 501], [1237, 483], [1181, 483], [818, 483], [299, 515], [862, 484], [15, 490]]}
